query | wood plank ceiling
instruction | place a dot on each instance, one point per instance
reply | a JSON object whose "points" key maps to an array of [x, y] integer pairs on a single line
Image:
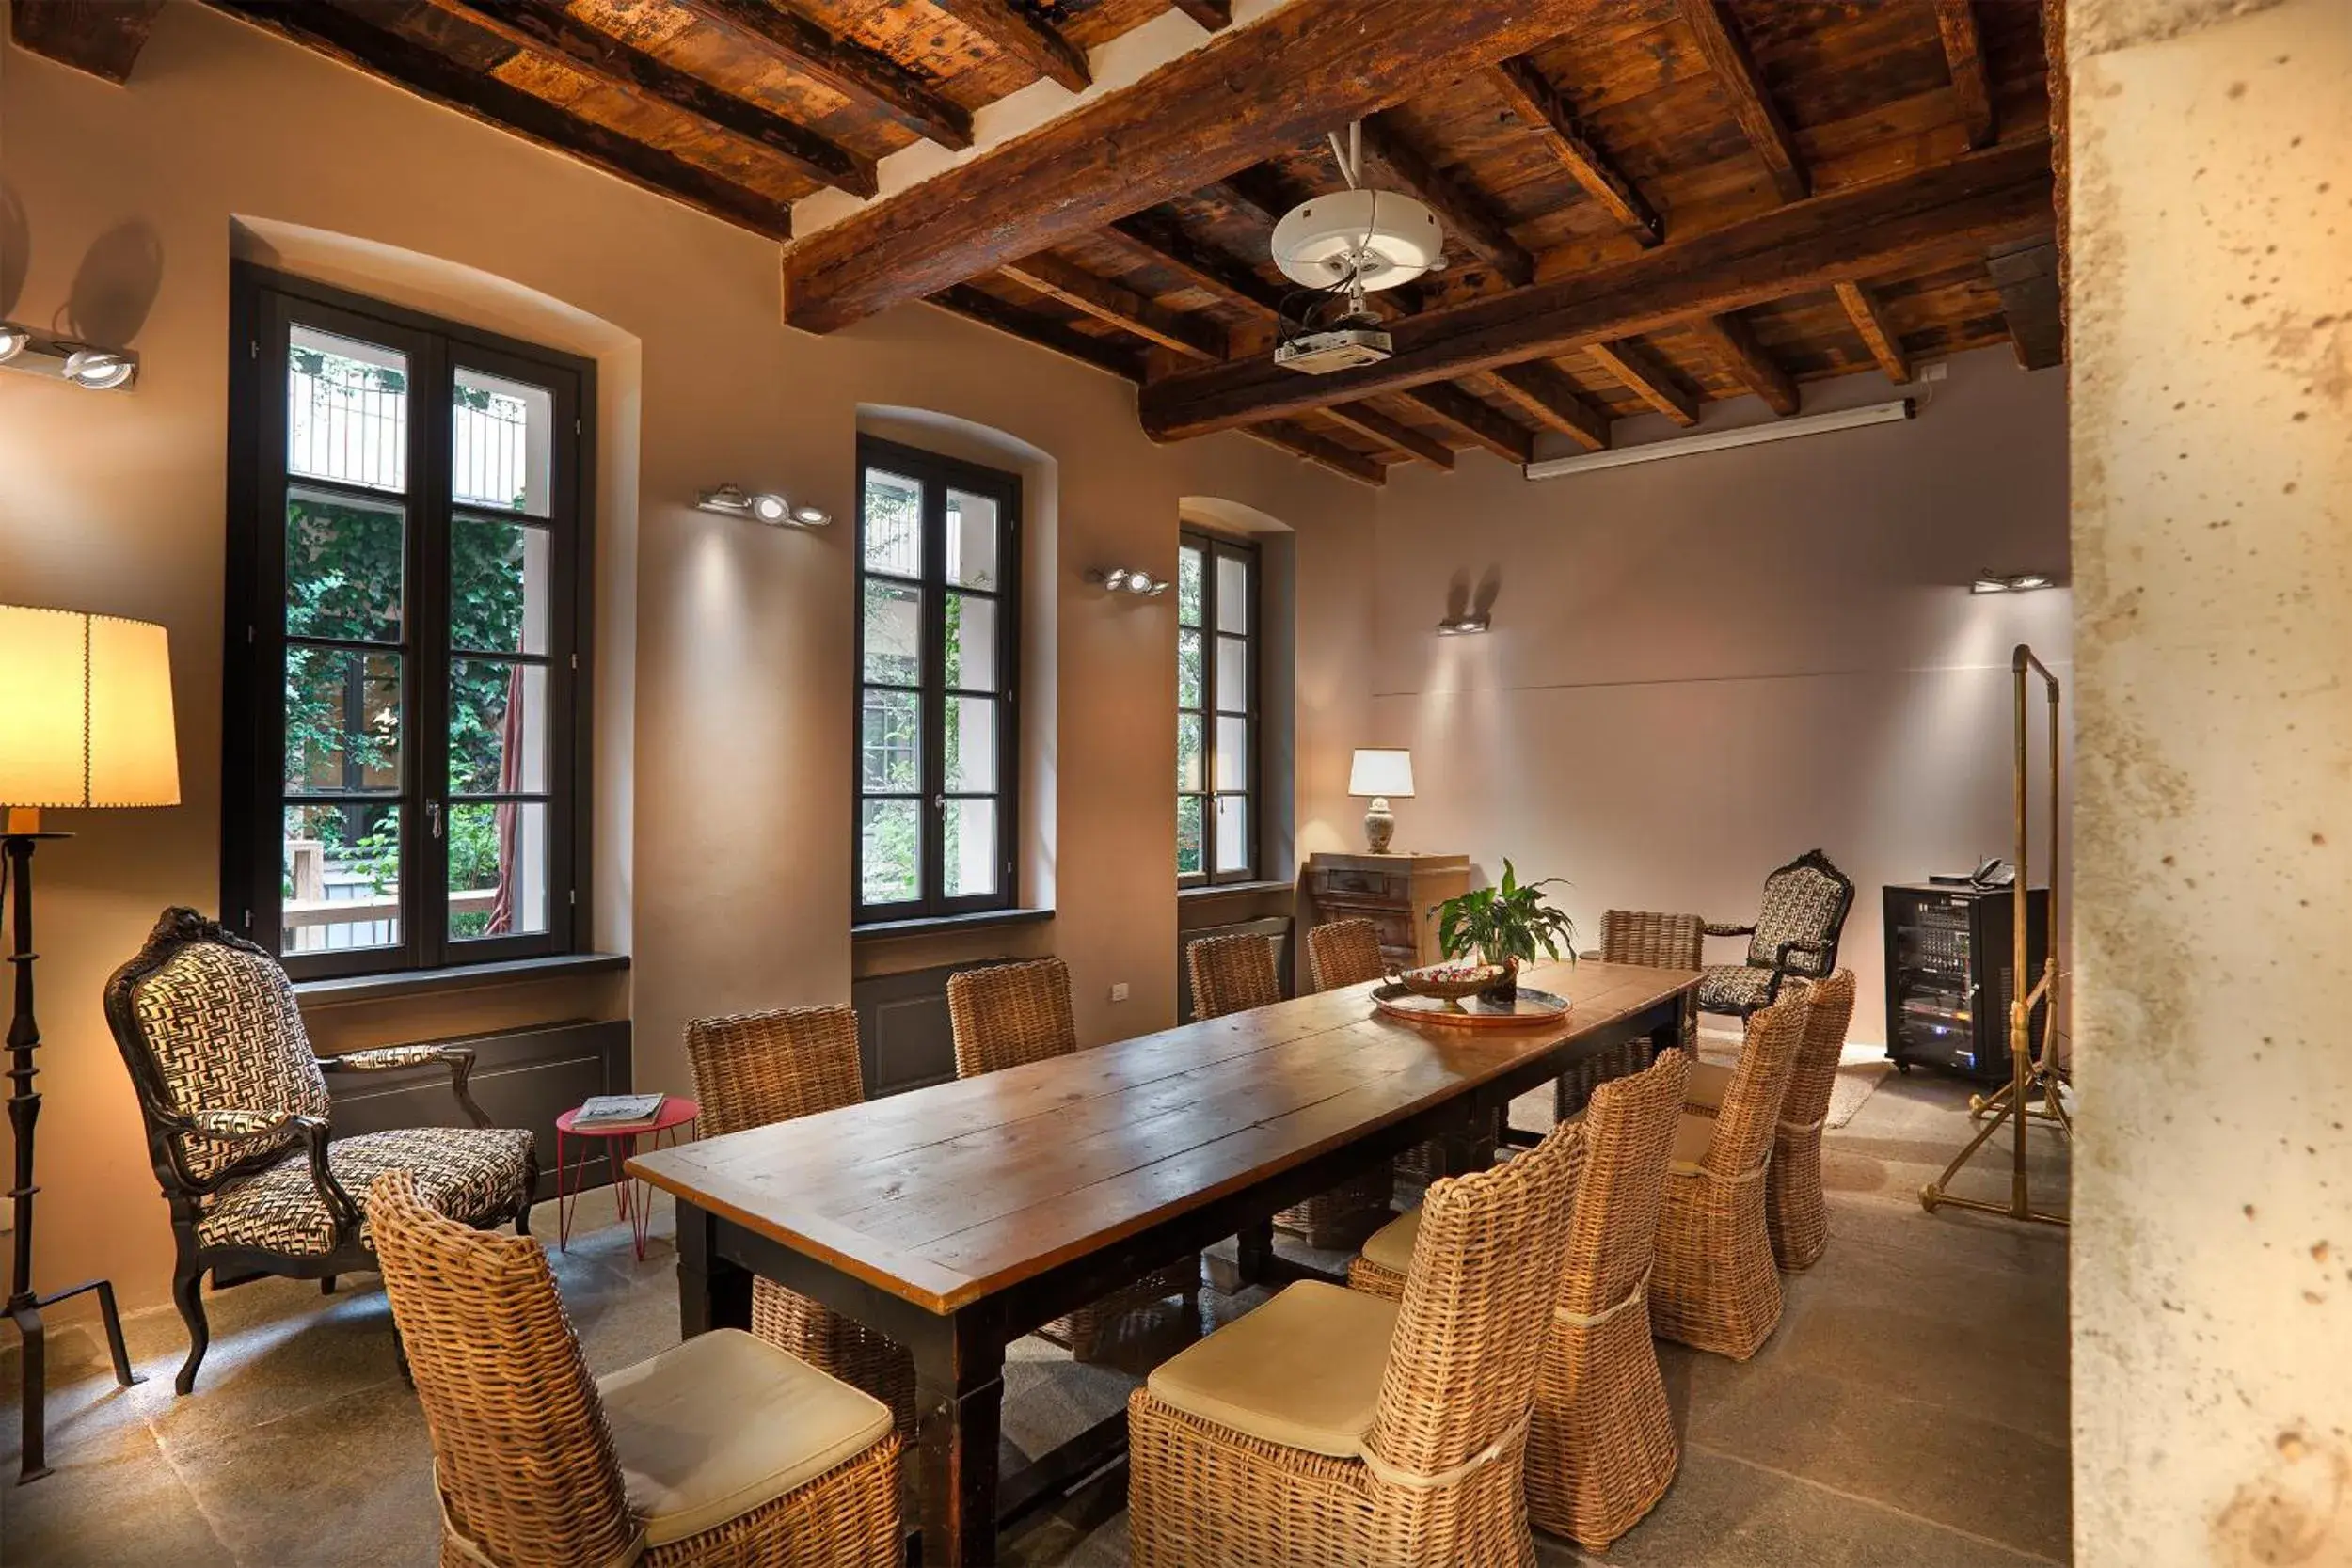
{"points": [[1649, 204]]}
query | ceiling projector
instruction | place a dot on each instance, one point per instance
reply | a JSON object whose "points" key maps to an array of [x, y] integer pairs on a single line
{"points": [[1341, 246]]}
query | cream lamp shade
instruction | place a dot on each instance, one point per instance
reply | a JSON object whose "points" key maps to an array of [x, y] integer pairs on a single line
{"points": [[1381, 772], [85, 712]]}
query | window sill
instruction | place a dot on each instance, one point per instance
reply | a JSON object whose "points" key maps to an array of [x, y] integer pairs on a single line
{"points": [[979, 920], [1215, 890], [425, 982]]}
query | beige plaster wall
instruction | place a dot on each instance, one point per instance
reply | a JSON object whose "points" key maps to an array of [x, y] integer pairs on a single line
{"points": [[2213, 533]]}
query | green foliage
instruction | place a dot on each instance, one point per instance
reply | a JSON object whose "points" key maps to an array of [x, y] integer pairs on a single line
{"points": [[1507, 922]]}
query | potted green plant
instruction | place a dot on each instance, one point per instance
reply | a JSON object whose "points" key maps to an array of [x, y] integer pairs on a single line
{"points": [[1508, 923]]}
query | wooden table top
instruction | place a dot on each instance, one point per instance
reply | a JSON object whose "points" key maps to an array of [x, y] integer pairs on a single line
{"points": [[944, 1195]]}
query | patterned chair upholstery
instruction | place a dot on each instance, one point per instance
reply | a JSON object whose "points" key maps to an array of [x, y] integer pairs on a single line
{"points": [[1795, 933], [238, 1123]]}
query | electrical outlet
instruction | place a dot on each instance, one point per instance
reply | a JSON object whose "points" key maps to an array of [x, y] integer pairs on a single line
{"points": [[1119, 991]]}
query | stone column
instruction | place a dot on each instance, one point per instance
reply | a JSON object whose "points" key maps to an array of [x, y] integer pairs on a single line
{"points": [[2212, 437]]}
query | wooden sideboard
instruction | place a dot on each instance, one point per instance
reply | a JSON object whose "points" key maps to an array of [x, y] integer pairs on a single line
{"points": [[1394, 891]]}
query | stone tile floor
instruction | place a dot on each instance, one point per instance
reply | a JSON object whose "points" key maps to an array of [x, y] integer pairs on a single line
{"points": [[1910, 1410]]}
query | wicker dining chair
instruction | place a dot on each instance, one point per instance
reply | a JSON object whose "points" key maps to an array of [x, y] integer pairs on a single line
{"points": [[1714, 1287], [1601, 1450], [1332, 1428], [724, 1451], [1794, 1212], [756, 1068], [1657, 942], [1011, 1015], [1232, 974]]}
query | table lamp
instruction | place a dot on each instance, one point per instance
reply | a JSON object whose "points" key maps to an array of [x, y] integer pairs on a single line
{"points": [[1381, 774], [84, 722]]}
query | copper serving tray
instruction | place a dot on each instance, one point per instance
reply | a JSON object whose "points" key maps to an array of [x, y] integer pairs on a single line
{"points": [[1533, 1006]]}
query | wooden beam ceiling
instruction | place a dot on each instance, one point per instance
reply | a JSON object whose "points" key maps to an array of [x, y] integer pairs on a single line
{"points": [[1467, 216], [1503, 436], [101, 38], [1646, 377], [1963, 51], [1025, 36], [1215, 15], [2026, 274], [1735, 71], [1301, 442], [1530, 95], [1862, 309], [1393, 432], [1122, 307], [1250, 93], [1932, 215], [539, 27], [1552, 401], [333, 31], [866, 77], [1044, 331], [1735, 348], [1165, 243]]}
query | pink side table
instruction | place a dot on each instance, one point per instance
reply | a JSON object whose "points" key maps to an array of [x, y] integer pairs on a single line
{"points": [[628, 1201]]}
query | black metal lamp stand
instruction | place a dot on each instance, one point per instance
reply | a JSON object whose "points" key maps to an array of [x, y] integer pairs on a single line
{"points": [[25, 1303]]}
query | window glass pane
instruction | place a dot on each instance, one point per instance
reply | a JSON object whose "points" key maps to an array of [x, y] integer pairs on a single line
{"points": [[501, 583], [1188, 570], [893, 527], [1188, 835], [893, 633], [967, 851], [1233, 674], [343, 719], [970, 745], [1187, 668], [498, 869], [345, 562], [497, 727], [971, 527], [1233, 753], [1188, 749], [891, 743], [1232, 832], [499, 438], [346, 410], [1232, 593], [971, 642], [339, 877], [890, 851]]}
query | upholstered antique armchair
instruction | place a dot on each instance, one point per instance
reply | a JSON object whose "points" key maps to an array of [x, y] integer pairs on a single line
{"points": [[1795, 933], [238, 1123]]}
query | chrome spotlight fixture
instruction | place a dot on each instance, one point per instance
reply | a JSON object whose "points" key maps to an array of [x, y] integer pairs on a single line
{"points": [[12, 341], [2020, 582], [1471, 623], [1129, 579], [97, 369], [766, 506]]}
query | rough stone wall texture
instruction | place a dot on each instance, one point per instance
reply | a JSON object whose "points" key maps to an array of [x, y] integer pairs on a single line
{"points": [[2212, 295]]}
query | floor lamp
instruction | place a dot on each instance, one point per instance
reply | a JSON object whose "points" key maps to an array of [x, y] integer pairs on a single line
{"points": [[84, 722]]}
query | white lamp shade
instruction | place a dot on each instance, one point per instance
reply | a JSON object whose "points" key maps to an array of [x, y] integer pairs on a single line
{"points": [[84, 711], [1381, 772]]}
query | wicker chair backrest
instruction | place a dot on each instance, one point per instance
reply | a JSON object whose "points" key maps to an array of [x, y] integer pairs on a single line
{"points": [[1007, 1015], [753, 1069], [1658, 941], [1829, 1008], [1231, 974], [1628, 1139], [1345, 953], [1751, 1107]]}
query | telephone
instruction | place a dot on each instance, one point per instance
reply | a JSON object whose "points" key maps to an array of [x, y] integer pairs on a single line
{"points": [[1995, 872]]}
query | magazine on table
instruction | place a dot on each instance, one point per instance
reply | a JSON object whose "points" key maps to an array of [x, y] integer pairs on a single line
{"points": [[617, 1110]]}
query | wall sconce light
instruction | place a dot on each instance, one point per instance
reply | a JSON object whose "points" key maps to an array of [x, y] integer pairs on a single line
{"points": [[1469, 623], [2020, 582], [97, 369], [1127, 579], [728, 500]]}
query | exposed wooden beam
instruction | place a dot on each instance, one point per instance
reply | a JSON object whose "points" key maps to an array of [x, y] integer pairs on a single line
{"points": [[1391, 433], [1928, 216], [2026, 273], [538, 27], [1733, 343], [1646, 377], [1215, 15], [1862, 309], [1117, 304], [1490, 428], [1963, 51], [1164, 242], [100, 37], [1735, 71], [1043, 331], [433, 76], [867, 77], [1030, 39], [1530, 95], [1552, 400], [1245, 95], [1467, 216], [1344, 461]]}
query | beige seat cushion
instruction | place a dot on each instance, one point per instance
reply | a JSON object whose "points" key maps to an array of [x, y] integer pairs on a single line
{"points": [[710, 1430], [1303, 1371], [1693, 1134], [1706, 1087], [1391, 1246]]}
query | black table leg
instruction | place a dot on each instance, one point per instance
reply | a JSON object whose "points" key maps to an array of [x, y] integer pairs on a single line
{"points": [[1254, 1252], [958, 1400], [712, 1291]]}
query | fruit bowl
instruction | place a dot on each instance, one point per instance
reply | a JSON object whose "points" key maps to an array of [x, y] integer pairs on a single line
{"points": [[1451, 981]]}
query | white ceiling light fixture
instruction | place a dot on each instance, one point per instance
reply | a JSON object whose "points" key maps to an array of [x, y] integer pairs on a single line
{"points": [[766, 506], [1341, 246], [1723, 440]]}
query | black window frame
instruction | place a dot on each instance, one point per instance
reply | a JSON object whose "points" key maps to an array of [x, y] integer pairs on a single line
{"points": [[265, 306], [1214, 547], [938, 474]]}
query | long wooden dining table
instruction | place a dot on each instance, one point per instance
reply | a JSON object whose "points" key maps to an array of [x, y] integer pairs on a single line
{"points": [[957, 1218]]}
